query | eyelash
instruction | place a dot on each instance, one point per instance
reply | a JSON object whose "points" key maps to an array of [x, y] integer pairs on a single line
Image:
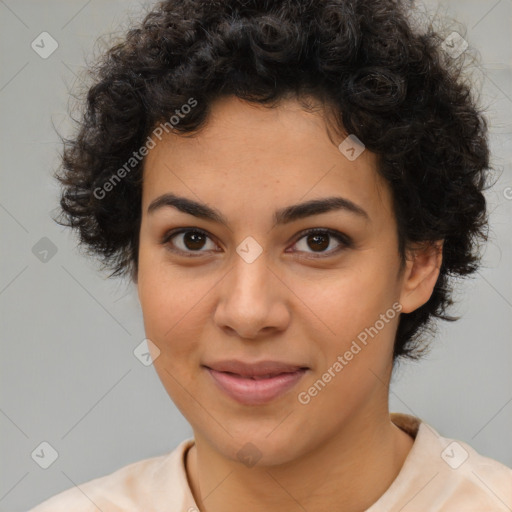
{"points": [[344, 240]]}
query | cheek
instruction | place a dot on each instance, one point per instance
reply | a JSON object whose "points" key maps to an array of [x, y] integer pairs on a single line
{"points": [[354, 298], [356, 348], [175, 308], [171, 309], [171, 323]]}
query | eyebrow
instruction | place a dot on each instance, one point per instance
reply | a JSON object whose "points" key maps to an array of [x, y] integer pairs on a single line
{"points": [[281, 216]]}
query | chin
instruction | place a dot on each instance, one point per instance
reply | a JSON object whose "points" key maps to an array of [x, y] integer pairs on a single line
{"points": [[254, 445]]}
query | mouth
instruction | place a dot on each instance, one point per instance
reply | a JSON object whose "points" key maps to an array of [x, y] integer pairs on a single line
{"points": [[255, 384]]}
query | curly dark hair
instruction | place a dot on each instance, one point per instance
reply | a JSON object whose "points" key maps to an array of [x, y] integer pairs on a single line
{"points": [[386, 81]]}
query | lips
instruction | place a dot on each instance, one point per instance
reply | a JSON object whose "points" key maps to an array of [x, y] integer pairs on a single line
{"points": [[259, 369], [255, 383]]}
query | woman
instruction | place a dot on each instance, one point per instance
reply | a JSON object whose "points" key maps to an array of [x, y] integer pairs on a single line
{"points": [[290, 185]]}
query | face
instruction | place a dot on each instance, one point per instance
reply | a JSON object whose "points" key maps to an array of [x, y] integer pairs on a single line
{"points": [[249, 309]]}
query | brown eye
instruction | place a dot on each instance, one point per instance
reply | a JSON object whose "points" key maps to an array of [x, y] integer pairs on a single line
{"points": [[319, 240], [188, 241], [193, 240]]}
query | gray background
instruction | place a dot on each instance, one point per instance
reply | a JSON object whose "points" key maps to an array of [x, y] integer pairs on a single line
{"points": [[69, 376]]}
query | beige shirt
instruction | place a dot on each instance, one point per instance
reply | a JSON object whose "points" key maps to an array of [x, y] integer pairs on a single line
{"points": [[439, 474]]}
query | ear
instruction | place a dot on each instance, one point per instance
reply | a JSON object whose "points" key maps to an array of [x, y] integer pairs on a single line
{"points": [[420, 274]]}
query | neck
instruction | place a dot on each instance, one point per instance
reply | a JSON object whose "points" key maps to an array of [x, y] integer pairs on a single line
{"points": [[348, 472]]}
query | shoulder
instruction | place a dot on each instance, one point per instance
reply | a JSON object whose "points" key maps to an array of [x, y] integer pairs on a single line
{"points": [[132, 487], [478, 482], [443, 475]]}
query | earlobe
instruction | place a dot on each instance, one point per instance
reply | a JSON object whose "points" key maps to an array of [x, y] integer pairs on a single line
{"points": [[420, 275]]}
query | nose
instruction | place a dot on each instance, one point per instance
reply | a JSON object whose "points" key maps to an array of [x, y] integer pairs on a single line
{"points": [[253, 300]]}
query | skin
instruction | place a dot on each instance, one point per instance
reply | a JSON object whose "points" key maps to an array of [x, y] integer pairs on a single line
{"points": [[295, 303]]}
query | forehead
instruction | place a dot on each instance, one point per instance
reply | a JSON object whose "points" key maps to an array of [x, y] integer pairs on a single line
{"points": [[247, 155]]}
